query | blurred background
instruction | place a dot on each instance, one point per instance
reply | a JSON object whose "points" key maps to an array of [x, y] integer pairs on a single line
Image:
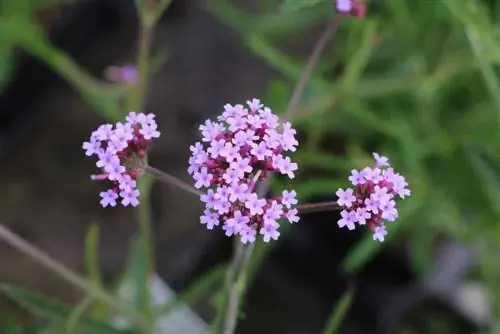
{"points": [[416, 81]]}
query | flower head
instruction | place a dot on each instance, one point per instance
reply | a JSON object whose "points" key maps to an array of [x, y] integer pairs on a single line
{"points": [[121, 149], [351, 7], [127, 74], [371, 200], [242, 147]]}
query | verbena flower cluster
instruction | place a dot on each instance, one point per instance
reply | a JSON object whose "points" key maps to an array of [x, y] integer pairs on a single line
{"points": [[351, 7], [371, 201], [127, 74], [241, 148], [119, 148]]}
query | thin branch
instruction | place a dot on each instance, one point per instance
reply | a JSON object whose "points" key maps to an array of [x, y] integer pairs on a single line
{"points": [[243, 253], [319, 47], [171, 180], [71, 277], [318, 207]]}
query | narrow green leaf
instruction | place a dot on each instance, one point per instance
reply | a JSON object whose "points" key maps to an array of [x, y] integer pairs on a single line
{"points": [[280, 60], [7, 61], [293, 5], [139, 269], [488, 177], [54, 310], [339, 312], [98, 308], [97, 94]]}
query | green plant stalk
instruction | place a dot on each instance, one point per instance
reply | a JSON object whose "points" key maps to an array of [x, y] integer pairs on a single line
{"points": [[136, 102], [339, 312], [236, 277], [42, 258]]}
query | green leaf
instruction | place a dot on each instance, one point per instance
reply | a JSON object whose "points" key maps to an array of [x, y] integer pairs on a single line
{"points": [[99, 95], [339, 312], [280, 60], [293, 5], [139, 270], [98, 308], [488, 177], [7, 60], [54, 310]]}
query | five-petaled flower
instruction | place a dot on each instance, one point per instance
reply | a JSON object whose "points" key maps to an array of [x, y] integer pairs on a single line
{"points": [[121, 150], [241, 148], [372, 199]]}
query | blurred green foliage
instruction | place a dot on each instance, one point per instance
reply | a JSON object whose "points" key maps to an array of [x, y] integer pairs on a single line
{"points": [[415, 80]]}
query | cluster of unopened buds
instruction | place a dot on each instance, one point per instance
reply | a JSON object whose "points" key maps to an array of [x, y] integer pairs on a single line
{"points": [[241, 148], [121, 150], [371, 201], [351, 7]]}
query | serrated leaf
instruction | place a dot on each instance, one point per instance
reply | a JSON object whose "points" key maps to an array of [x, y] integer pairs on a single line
{"points": [[293, 5], [54, 310]]}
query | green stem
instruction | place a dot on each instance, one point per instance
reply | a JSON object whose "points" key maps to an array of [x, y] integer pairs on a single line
{"points": [[143, 58], [137, 102], [236, 277], [44, 259]]}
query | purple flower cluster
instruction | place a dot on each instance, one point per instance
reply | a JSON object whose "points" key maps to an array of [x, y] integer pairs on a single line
{"points": [[241, 148], [118, 148], [351, 7], [372, 199], [344, 6], [127, 75]]}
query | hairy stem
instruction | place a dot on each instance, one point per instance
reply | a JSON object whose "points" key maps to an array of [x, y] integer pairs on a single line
{"points": [[44, 259], [237, 274], [171, 180]]}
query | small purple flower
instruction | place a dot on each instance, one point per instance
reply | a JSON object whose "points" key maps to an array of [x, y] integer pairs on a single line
{"points": [[210, 219], [270, 231], [255, 204], [362, 215], [344, 6], [238, 192], [292, 216], [127, 74], [379, 233], [92, 147], [108, 197], [149, 131], [348, 219], [247, 234], [381, 161], [203, 178], [130, 197], [289, 198], [346, 197], [357, 178]]}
